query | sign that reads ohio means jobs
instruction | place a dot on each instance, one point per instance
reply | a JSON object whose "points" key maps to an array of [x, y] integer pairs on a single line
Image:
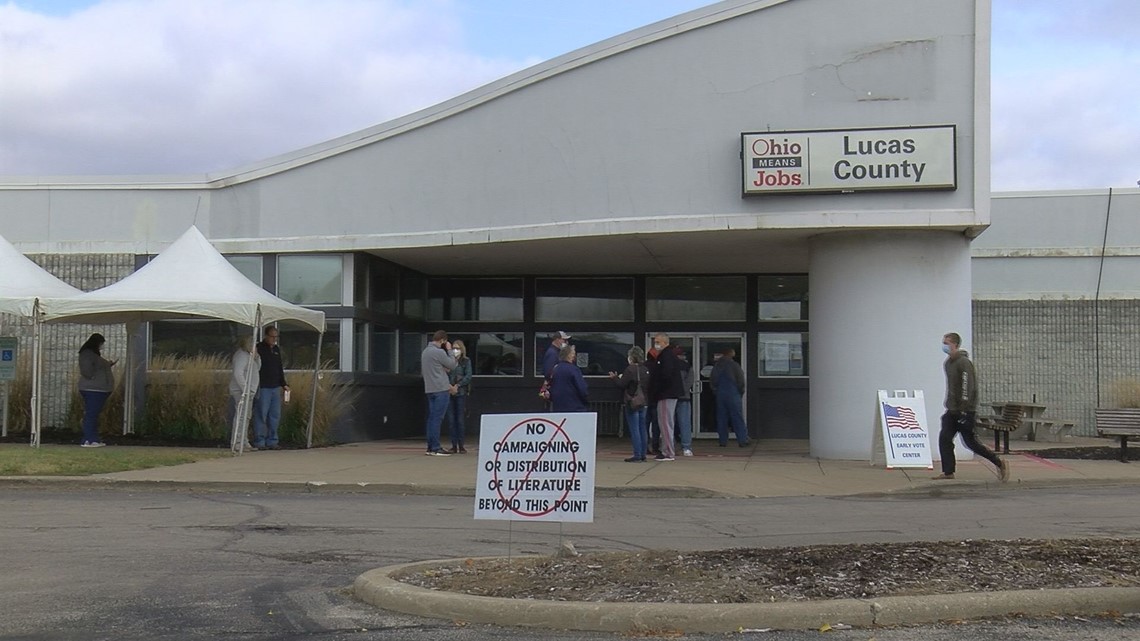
{"points": [[780, 162], [536, 467]]}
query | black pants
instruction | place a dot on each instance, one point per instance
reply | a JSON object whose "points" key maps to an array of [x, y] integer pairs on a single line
{"points": [[960, 423]]}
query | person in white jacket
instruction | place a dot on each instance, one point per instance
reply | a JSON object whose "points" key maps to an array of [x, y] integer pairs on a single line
{"points": [[244, 380]]}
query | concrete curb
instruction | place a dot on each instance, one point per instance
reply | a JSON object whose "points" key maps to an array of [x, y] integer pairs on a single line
{"points": [[378, 588], [320, 487]]}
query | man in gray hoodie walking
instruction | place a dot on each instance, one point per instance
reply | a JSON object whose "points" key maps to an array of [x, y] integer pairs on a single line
{"points": [[961, 409]]}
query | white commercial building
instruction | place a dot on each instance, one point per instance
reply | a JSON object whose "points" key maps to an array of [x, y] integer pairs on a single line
{"points": [[698, 176]]}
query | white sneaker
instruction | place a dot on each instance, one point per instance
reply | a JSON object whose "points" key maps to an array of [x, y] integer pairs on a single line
{"points": [[92, 444], [687, 452]]}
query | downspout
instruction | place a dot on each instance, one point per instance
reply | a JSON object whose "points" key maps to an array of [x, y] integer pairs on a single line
{"points": [[1096, 301]]}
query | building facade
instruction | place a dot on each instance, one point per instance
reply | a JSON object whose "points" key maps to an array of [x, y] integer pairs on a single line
{"points": [[700, 176]]}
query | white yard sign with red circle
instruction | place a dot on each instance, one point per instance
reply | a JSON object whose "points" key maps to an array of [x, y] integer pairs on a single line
{"points": [[536, 467]]}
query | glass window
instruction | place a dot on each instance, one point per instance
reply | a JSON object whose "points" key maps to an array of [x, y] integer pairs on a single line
{"points": [[360, 278], [249, 266], [475, 299], [783, 354], [491, 354], [310, 280], [599, 353], [360, 351], [783, 297], [384, 288], [411, 345], [384, 352], [695, 298], [299, 344], [413, 293], [185, 338], [583, 299]]}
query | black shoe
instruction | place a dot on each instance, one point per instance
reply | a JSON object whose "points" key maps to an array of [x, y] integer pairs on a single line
{"points": [[453, 450], [634, 459], [462, 450], [745, 444]]}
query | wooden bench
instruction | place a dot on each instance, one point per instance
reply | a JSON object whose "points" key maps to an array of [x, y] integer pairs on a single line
{"points": [[1119, 423], [1002, 424]]}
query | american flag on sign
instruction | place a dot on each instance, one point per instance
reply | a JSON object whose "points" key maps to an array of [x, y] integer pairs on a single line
{"points": [[900, 417]]}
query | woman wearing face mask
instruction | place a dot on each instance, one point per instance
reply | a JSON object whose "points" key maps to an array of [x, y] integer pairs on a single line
{"points": [[460, 379]]}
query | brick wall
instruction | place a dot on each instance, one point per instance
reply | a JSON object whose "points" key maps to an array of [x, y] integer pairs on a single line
{"points": [[1048, 349], [61, 342]]}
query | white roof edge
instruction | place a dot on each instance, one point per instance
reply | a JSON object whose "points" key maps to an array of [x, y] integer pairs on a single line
{"points": [[1099, 191], [660, 30]]}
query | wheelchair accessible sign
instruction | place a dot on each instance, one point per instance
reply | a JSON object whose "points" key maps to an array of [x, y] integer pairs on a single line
{"points": [[536, 467], [8, 358]]}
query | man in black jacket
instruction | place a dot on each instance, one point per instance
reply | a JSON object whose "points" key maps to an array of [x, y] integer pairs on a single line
{"points": [[267, 404], [666, 387], [961, 408]]}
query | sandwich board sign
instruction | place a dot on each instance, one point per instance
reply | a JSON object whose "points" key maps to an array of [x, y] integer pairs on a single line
{"points": [[536, 467], [903, 438]]}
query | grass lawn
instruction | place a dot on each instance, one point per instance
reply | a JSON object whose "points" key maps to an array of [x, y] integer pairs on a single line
{"points": [[71, 460]]}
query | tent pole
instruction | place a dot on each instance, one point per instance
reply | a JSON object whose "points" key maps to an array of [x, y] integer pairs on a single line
{"points": [[313, 399], [37, 355], [129, 384], [243, 408]]}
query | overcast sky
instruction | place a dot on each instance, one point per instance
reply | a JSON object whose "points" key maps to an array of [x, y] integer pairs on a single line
{"points": [[193, 86]]}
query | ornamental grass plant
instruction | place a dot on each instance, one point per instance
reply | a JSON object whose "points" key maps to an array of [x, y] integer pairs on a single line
{"points": [[1125, 393]]}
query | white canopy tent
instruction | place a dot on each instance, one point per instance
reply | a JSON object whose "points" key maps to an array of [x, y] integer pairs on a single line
{"points": [[22, 284], [189, 279]]}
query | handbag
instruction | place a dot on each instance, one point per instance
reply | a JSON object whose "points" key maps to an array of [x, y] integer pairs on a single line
{"points": [[638, 400], [544, 391]]}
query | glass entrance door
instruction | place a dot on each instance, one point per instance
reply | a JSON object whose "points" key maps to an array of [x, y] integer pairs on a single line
{"points": [[702, 350]]}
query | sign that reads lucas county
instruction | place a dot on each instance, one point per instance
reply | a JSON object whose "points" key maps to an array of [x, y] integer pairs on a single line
{"points": [[778, 162]]}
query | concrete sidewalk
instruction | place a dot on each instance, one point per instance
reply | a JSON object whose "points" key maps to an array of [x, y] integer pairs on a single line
{"points": [[768, 468]]}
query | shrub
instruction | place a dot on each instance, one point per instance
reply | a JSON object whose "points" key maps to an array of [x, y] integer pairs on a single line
{"points": [[186, 398], [1125, 392], [334, 400], [20, 398]]}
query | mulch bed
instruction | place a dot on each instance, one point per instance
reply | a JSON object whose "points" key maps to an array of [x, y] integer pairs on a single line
{"points": [[1095, 453], [763, 575]]}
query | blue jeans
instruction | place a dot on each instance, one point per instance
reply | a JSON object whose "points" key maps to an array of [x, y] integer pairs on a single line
{"points": [[685, 422], [456, 409], [635, 418], [266, 416], [93, 403], [730, 409], [436, 408]]}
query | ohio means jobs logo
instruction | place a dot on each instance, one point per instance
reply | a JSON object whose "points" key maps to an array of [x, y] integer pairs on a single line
{"points": [[536, 467], [849, 160]]}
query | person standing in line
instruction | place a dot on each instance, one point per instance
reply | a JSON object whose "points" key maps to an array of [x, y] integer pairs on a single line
{"points": [[665, 382], [460, 379], [652, 427], [961, 410], [568, 392], [270, 389], [634, 381], [558, 340], [728, 385], [246, 367], [436, 362], [96, 382], [684, 416]]}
